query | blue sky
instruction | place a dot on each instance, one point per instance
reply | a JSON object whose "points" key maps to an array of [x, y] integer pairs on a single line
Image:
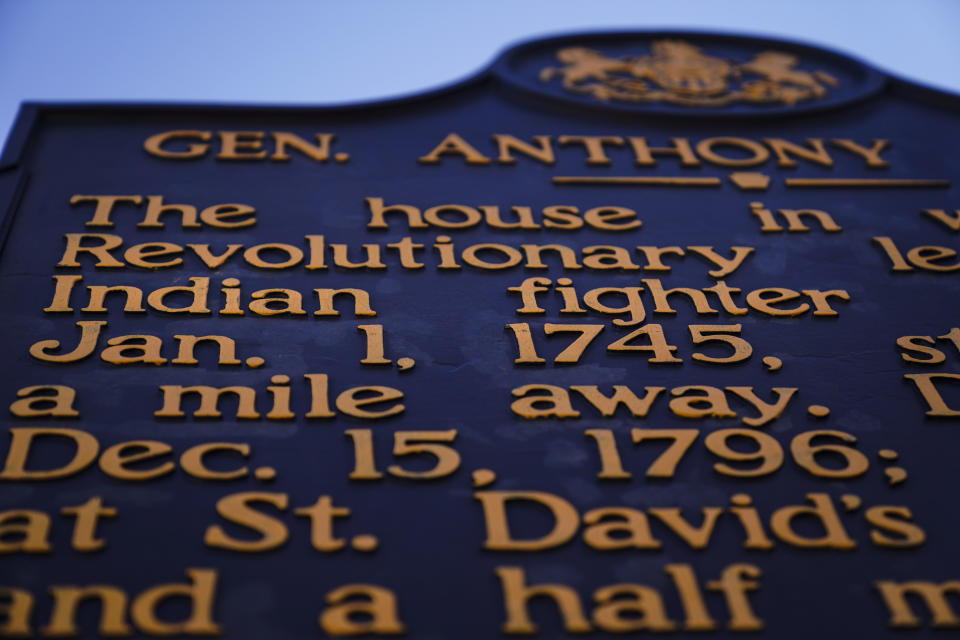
{"points": [[322, 52]]}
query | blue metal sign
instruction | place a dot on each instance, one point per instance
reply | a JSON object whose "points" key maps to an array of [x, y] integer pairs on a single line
{"points": [[629, 333]]}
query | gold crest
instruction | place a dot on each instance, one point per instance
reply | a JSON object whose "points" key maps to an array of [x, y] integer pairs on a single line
{"points": [[678, 72]]}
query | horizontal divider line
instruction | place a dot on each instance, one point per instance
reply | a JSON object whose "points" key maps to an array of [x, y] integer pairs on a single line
{"points": [[864, 182], [882, 183], [642, 180]]}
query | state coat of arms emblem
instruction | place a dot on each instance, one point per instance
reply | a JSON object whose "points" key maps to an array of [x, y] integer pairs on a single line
{"points": [[680, 73]]}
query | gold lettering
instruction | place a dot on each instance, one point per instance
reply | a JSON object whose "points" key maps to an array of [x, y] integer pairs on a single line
{"points": [[934, 596], [681, 147], [594, 146], [565, 518], [15, 612], [101, 252], [834, 536], [34, 404], [783, 150], [21, 438], [88, 517], [200, 592], [937, 406], [757, 152], [871, 155], [351, 401], [361, 302], [283, 139], [375, 606], [209, 401], [113, 610], [506, 143], [516, 595], [236, 508], [241, 145], [115, 460], [31, 527], [154, 145], [454, 144], [105, 205]]}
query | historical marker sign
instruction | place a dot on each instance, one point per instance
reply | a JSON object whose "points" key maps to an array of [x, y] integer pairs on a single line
{"points": [[629, 333]]}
